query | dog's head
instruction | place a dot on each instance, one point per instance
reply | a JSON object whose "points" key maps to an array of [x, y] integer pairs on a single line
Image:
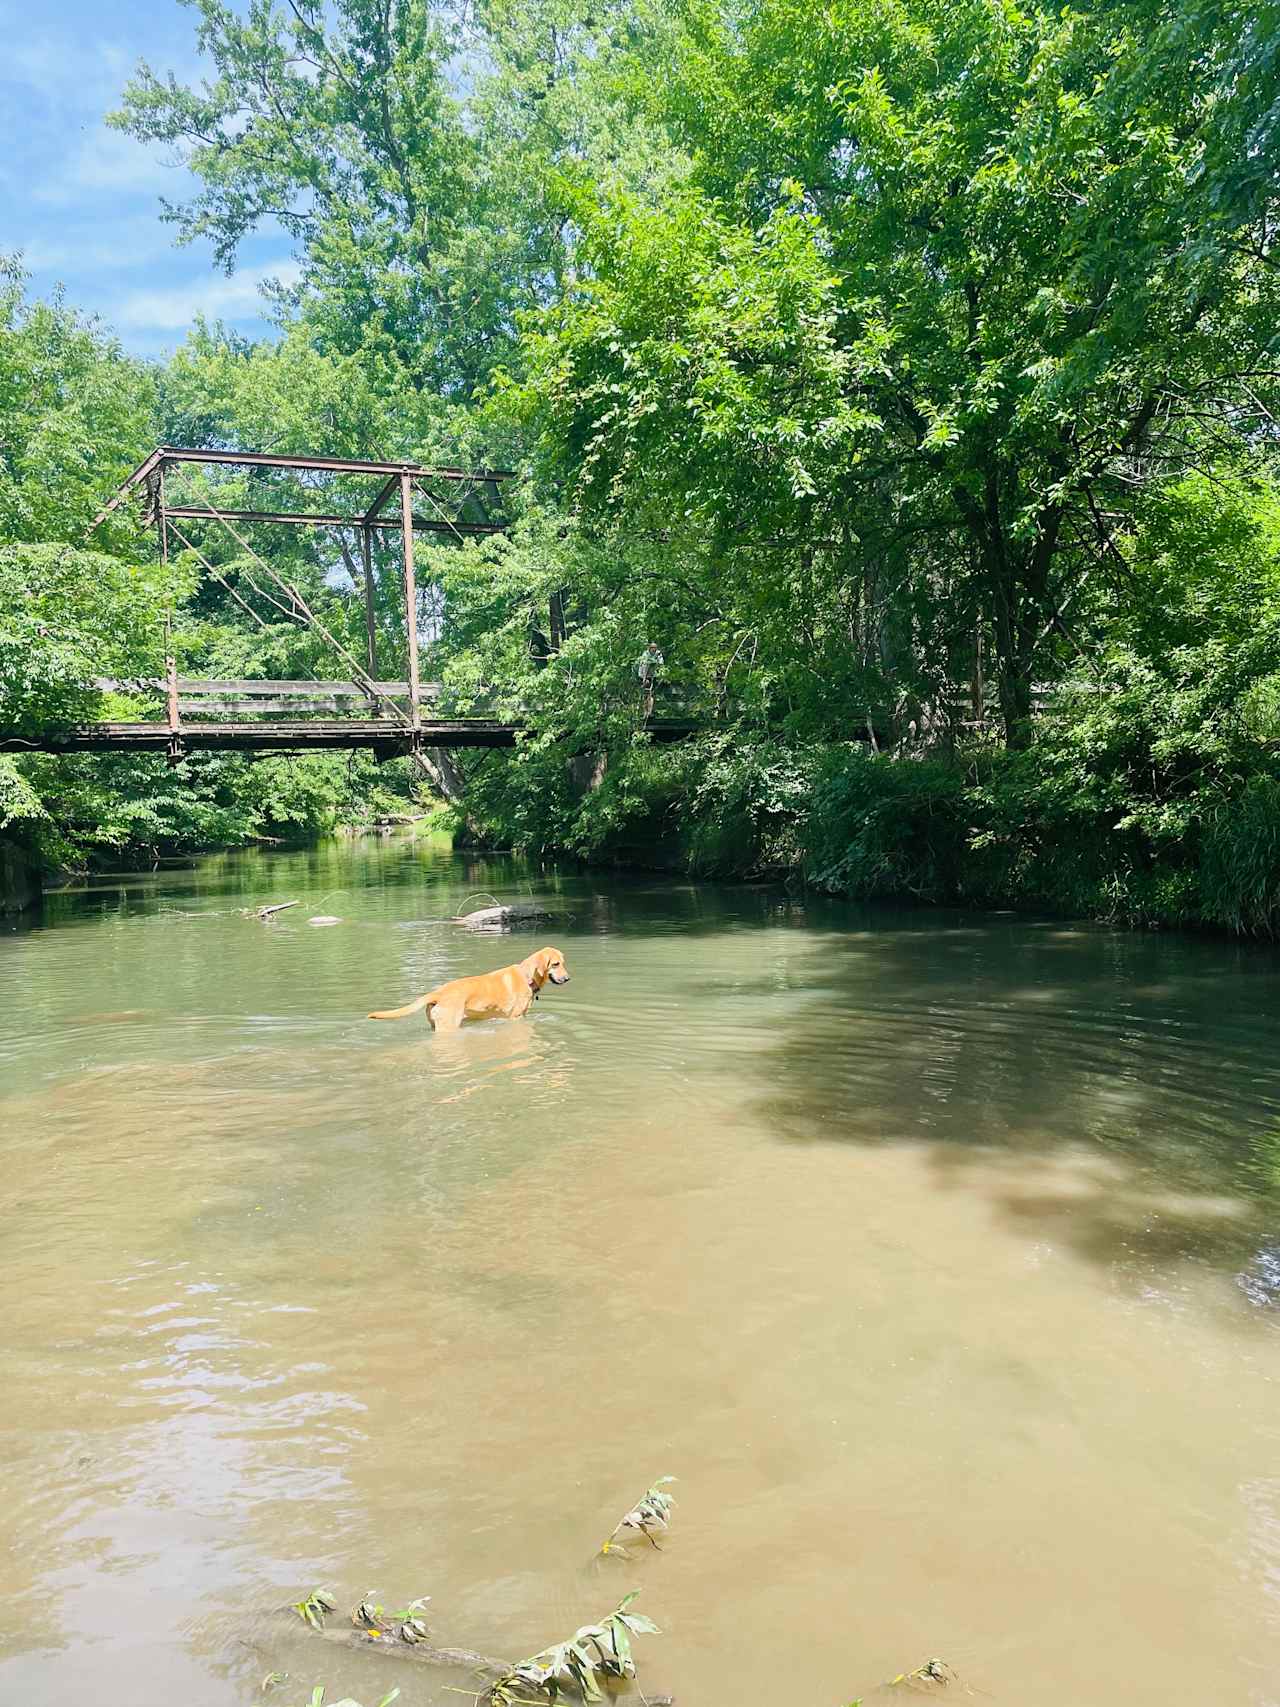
{"points": [[547, 963]]}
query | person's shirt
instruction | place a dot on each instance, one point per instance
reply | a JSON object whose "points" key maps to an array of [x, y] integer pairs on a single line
{"points": [[649, 663]]}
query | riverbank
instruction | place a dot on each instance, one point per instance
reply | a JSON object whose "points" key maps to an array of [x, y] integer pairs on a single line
{"points": [[1094, 819], [71, 816], [1115, 811]]}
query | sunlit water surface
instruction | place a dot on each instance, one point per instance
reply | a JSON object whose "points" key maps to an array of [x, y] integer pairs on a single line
{"points": [[937, 1256]]}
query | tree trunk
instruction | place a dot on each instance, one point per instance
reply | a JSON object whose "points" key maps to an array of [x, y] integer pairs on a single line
{"points": [[1017, 578], [439, 767], [20, 886]]}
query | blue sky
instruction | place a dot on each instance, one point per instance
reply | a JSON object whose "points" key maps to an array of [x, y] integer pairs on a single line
{"points": [[81, 202]]}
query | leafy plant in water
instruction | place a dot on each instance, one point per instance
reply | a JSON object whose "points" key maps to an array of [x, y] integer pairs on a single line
{"points": [[369, 1614], [595, 1650], [932, 1671], [317, 1605], [652, 1513]]}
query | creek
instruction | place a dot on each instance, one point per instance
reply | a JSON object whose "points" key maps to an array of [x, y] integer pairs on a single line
{"points": [[937, 1255]]}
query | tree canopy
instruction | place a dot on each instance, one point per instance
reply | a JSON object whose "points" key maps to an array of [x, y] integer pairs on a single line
{"points": [[906, 372]]}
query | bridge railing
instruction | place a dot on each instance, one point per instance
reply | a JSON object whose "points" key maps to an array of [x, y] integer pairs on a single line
{"points": [[204, 698], [200, 696]]}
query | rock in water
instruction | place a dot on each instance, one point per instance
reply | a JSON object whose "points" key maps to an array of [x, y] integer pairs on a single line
{"points": [[499, 918]]}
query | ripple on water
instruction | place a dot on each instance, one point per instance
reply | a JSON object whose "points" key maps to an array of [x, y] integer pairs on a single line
{"points": [[936, 1257]]}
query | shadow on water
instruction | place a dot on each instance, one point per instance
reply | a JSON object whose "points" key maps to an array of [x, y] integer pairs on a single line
{"points": [[783, 1196], [1112, 1092]]}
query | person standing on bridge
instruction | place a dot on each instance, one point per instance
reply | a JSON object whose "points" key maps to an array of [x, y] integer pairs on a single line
{"points": [[651, 662]]}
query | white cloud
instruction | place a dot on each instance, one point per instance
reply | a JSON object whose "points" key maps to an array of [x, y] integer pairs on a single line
{"points": [[54, 69], [108, 163], [102, 244], [83, 71], [174, 308]]}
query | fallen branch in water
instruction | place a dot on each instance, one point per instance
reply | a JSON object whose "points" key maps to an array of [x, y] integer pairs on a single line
{"points": [[499, 914], [265, 913], [595, 1651], [390, 1642], [401, 1635]]}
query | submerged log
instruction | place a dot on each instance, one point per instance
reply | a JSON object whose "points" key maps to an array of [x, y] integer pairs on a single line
{"points": [[389, 1642]]}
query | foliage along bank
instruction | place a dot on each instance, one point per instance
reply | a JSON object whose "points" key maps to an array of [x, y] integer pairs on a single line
{"points": [[1148, 793], [886, 365]]}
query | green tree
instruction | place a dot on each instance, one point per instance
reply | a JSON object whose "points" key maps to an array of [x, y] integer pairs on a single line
{"points": [[946, 285], [75, 416], [406, 148], [66, 617]]}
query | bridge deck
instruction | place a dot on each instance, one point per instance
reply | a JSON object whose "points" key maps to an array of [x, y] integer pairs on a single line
{"points": [[383, 736]]}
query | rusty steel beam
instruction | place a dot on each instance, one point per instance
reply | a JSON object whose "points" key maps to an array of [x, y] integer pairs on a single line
{"points": [[388, 488], [303, 519], [265, 736], [326, 464], [391, 471], [407, 520], [207, 685], [144, 468]]}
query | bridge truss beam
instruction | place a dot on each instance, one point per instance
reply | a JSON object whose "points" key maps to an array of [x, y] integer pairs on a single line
{"points": [[446, 489]]}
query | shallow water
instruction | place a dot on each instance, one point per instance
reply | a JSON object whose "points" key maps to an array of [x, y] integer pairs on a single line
{"points": [[937, 1256]]}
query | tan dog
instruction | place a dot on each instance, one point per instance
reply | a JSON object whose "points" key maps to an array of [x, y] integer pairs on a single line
{"points": [[505, 994]]}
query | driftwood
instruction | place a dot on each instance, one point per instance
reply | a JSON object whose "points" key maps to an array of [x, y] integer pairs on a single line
{"points": [[389, 1642], [270, 912]]}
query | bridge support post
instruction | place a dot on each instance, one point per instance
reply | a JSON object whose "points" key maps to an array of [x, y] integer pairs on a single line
{"points": [[175, 752], [370, 619], [410, 601]]}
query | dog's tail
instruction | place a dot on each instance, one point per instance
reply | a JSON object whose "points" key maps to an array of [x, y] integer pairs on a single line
{"points": [[403, 1013]]}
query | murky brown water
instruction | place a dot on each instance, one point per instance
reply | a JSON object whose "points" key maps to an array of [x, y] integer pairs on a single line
{"points": [[934, 1255]]}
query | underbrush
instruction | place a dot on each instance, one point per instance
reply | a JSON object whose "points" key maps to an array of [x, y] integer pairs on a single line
{"points": [[93, 810], [1106, 815], [1148, 796]]}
